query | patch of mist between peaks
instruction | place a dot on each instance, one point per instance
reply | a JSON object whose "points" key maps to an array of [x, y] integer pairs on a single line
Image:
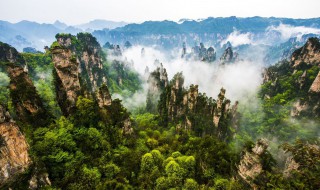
{"points": [[240, 79], [136, 100], [236, 38], [47, 75], [288, 31], [4, 79]]}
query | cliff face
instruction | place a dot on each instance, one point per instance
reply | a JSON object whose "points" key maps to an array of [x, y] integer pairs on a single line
{"points": [[66, 75], [250, 166], [192, 110], [308, 54], [9, 54], [78, 68], [157, 82], [79, 71], [103, 96], [303, 75], [14, 157], [91, 62], [227, 56]]}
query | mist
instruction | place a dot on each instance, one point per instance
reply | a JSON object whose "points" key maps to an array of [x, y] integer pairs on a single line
{"points": [[236, 38], [241, 79], [288, 31]]}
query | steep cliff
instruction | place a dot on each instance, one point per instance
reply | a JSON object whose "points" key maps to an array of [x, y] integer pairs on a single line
{"points": [[227, 56], [14, 156], [251, 165], [157, 82], [103, 96], [192, 110], [66, 73], [78, 68], [26, 101], [297, 80], [79, 71], [91, 62], [308, 54]]}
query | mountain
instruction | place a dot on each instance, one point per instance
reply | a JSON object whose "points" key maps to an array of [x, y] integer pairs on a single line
{"points": [[251, 31], [60, 25], [31, 34], [99, 24]]}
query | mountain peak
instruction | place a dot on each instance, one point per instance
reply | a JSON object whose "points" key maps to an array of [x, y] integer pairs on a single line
{"points": [[309, 53]]}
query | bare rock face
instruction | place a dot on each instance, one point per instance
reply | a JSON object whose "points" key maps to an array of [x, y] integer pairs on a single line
{"points": [[103, 97], [211, 54], [67, 76], [91, 62], [38, 181], [127, 127], [14, 157], [250, 165], [291, 165], [174, 108], [315, 87], [184, 106], [227, 56], [9, 54], [157, 82], [78, 68], [218, 111], [298, 107], [308, 54]]}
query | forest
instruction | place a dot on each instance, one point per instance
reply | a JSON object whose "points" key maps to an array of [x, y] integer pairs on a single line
{"points": [[66, 108]]}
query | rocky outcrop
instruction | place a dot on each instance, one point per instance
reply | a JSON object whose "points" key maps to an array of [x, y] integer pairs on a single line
{"points": [[250, 166], [199, 53], [91, 68], [308, 54], [26, 101], [14, 156], [66, 74], [103, 96], [9, 54], [190, 109], [290, 166], [157, 82], [304, 68], [78, 68], [227, 56], [315, 87], [211, 55], [79, 71], [38, 181]]}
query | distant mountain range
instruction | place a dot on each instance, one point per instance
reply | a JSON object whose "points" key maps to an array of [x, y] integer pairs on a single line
{"points": [[167, 34], [36, 35]]}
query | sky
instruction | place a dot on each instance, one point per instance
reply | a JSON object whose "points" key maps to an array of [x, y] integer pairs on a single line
{"points": [[75, 12]]}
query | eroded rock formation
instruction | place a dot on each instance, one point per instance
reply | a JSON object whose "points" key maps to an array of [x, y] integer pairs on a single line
{"points": [[103, 96], [308, 54], [66, 74], [250, 166], [26, 101], [305, 62], [191, 109], [157, 82], [14, 156], [91, 62]]}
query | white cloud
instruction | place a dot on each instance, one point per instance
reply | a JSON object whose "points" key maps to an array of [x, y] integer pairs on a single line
{"points": [[236, 38], [240, 79], [288, 31]]}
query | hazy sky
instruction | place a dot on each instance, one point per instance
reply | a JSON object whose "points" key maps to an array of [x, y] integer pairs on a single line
{"points": [[81, 11]]}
